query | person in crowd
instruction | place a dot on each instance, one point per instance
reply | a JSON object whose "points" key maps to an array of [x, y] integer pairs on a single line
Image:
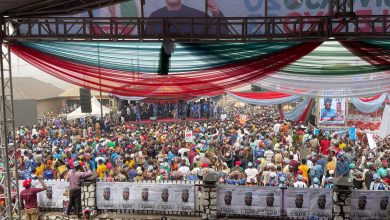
{"points": [[29, 200]]}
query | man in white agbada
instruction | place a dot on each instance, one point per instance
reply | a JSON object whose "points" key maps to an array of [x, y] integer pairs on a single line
{"points": [[251, 174]]}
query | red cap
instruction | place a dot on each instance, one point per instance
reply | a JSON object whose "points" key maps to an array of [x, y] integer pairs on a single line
{"points": [[238, 163], [27, 183], [204, 165]]}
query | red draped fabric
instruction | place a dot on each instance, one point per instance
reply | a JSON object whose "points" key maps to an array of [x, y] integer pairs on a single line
{"points": [[305, 114], [370, 53], [197, 83], [370, 98]]}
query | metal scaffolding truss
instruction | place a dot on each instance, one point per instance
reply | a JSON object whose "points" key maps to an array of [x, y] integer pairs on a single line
{"points": [[8, 175], [244, 29]]}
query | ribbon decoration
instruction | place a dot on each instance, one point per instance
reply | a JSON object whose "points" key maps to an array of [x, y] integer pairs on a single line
{"points": [[369, 105], [263, 98]]}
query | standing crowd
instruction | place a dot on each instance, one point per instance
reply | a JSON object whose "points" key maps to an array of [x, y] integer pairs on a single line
{"points": [[264, 150]]}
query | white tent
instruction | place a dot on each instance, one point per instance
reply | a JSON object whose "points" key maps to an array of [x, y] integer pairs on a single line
{"points": [[95, 105]]}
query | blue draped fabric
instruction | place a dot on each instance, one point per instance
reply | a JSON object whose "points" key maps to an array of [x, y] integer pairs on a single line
{"points": [[295, 113], [368, 107]]}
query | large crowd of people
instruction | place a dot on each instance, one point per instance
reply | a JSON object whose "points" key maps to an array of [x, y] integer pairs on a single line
{"points": [[262, 150]]}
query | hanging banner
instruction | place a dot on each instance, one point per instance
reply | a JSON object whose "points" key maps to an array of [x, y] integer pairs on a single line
{"points": [[332, 111], [53, 196], [368, 204], [249, 201], [321, 203], [188, 136], [298, 202], [145, 196]]}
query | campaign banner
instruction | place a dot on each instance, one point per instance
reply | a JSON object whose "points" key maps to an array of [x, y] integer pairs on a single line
{"points": [[368, 204], [298, 202], [249, 201], [188, 136], [321, 203], [145, 196], [332, 111], [53, 196]]}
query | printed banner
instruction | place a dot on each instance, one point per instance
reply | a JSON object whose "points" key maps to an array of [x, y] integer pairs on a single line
{"points": [[369, 204], [332, 111], [53, 196], [188, 136], [145, 196], [298, 202], [321, 203], [250, 201]]}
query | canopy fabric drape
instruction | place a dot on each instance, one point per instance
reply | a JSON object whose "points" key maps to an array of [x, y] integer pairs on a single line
{"points": [[369, 105], [202, 82], [263, 98], [296, 113], [330, 71]]}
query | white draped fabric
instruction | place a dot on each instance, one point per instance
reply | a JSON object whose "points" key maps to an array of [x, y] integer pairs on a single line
{"points": [[359, 85], [384, 129], [371, 106], [295, 113], [275, 101]]}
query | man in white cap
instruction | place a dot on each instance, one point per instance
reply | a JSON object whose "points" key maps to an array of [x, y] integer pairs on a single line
{"points": [[251, 174]]}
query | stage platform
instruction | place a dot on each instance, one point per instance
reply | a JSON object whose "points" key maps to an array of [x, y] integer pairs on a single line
{"points": [[167, 120]]}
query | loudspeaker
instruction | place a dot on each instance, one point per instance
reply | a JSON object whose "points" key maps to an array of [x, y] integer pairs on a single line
{"points": [[85, 100], [255, 88], [313, 119]]}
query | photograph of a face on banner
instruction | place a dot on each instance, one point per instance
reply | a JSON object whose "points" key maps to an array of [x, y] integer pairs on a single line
{"points": [[321, 203], [369, 204], [298, 202]]}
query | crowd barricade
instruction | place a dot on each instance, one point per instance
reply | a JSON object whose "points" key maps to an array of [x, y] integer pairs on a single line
{"points": [[187, 198], [150, 197], [274, 202]]}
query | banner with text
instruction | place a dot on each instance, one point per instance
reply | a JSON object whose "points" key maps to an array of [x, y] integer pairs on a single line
{"points": [[369, 204], [145, 196], [332, 111], [250, 201], [53, 196]]}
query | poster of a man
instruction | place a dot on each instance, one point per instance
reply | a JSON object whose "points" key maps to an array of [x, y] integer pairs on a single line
{"points": [[185, 195], [248, 198], [165, 195], [299, 201], [321, 201], [384, 202], [49, 192], [228, 197], [145, 194], [126, 193], [107, 193], [327, 112], [362, 202], [332, 111], [175, 8], [270, 199]]}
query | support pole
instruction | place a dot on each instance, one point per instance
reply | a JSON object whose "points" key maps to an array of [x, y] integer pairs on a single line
{"points": [[8, 174]]}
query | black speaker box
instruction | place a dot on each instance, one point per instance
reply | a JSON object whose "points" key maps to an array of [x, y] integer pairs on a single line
{"points": [[85, 100]]}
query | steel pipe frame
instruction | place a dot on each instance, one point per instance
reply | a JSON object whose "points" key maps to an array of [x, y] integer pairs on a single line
{"points": [[305, 28], [9, 181]]}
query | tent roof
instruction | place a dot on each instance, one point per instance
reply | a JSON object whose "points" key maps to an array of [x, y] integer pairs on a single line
{"points": [[95, 105], [50, 7], [31, 88], [75, 92]]}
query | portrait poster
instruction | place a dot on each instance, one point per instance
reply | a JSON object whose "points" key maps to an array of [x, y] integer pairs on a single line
{"points": [[321, 203], [270, 201], [298, 202], [367, 204], [233, 200], [332, 111], [53, 196], [145, 196]]}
